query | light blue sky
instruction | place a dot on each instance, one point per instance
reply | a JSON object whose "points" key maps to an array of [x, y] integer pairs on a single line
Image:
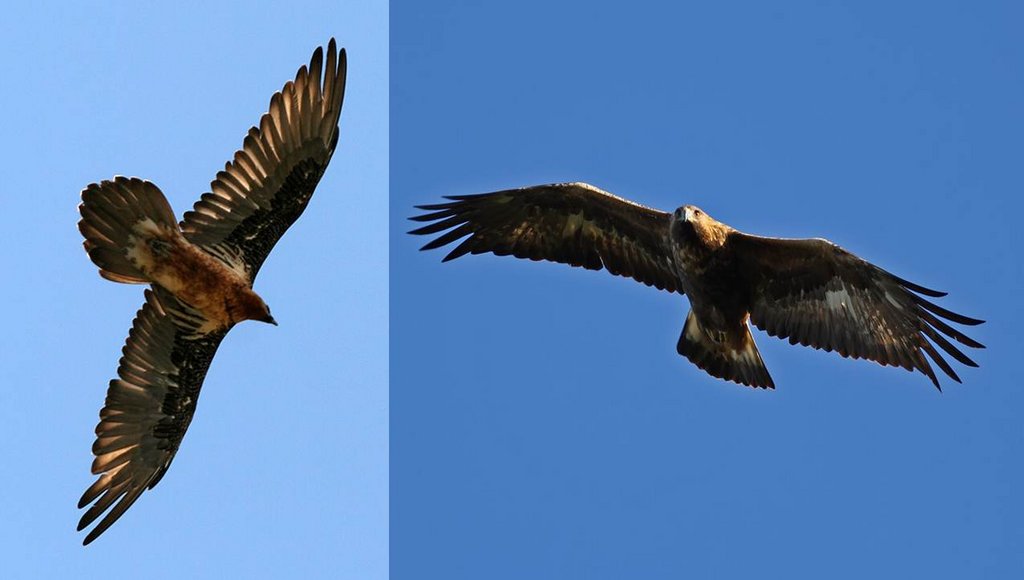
{"points": [[284, 470], [543, 425]]}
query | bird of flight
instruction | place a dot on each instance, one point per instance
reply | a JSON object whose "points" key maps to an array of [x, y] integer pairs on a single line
{"points": [[810, 291], [200, 273]]}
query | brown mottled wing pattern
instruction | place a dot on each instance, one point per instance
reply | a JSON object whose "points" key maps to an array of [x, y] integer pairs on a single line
{"points": [[148, 407], [267, 186], [570, 223], [817, 294]]}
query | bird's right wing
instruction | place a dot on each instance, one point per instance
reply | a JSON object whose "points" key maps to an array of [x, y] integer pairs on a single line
{"points": [[818, 294], [149, 407], [570, 223], [271, 179]]}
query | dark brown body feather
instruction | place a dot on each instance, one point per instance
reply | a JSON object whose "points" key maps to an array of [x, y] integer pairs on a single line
{"points": [[715, 336], [201, 273], [810, 291]]}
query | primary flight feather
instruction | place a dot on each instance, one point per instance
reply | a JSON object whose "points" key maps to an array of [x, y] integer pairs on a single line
{"points": [[201, 273], [810, 291]]}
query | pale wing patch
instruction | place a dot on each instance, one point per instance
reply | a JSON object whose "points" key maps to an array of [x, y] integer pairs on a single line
{"points": [[232, 258], [573, 222], [842, 305], [694, 331], [853, 310], [837, 299]]}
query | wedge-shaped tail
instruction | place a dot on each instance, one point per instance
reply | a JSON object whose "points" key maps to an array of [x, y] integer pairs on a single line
{"points": [[115, 216], [733, 358]]}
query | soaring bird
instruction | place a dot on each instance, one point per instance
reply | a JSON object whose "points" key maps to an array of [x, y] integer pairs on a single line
{"points": [[810, 291], [200, 273]]}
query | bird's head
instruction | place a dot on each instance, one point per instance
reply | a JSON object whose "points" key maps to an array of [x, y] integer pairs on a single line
{"points": [[256, 309], [690, 223]]}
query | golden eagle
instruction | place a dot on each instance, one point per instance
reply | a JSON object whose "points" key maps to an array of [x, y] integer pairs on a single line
{"points": [[810, 291], [201, 273]]}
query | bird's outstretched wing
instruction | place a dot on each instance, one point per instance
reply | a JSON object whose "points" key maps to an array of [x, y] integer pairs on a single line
{"points": [[571, 223], [271, 179], [817, 294], [149, 407]]}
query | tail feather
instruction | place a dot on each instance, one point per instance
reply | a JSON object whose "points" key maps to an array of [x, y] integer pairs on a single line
{"points": [[722, 359], [110, 212]]}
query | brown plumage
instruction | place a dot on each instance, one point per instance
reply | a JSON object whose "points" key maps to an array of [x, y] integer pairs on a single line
{"points": [[201, 273], [810, 291]]}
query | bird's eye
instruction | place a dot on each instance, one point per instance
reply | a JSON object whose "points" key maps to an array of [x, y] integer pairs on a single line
{"points": [[697, 212]]}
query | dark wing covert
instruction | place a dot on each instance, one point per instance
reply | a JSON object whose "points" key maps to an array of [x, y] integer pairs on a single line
{"points": [[817, 294], [570, 223]]}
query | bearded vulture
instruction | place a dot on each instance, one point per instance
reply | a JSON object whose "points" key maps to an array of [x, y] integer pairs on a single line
{"points": [[810, 291], [200, 273]]}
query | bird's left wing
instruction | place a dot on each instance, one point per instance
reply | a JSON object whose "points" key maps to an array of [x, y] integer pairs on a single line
{"points": [[818, 294], [149, 407], [571, 223], [267, 186]]}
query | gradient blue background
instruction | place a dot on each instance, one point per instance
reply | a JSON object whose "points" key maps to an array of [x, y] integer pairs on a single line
{"points": [[283, 473], [543, 425]]}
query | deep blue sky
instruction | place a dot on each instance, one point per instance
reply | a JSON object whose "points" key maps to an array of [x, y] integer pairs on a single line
{"points": [[543, 425], [284, 471]]}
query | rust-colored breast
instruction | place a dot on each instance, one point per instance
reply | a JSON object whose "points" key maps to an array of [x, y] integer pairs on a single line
{"points": [[194, 277]]}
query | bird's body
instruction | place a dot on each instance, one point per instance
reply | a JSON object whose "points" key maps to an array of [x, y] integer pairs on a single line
{"points": [[201, 273], [810, 291], [222, 294], [715, 333], [708, 275]]}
